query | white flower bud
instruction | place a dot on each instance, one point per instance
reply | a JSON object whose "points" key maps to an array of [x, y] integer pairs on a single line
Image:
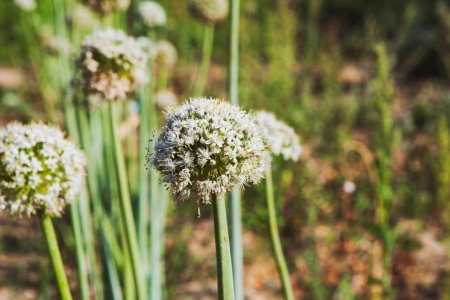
{"points": [[152, 14], [209, 11]]}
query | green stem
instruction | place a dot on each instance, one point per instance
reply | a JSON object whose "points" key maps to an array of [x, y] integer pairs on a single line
{"points": [[156, 226], [275, 239], [223, 253], [208, 41], [81, 255], [235, 207], [126, 210], [143, 217], [55, 257]]}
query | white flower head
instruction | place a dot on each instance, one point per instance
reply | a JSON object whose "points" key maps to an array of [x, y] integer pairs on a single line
{"points": [[81, 17], [281, 138], [26, 5], [41, 171], [107, 6], [166, 99], [207, 147], [152, 14], [111, 64], [165, 55], [209, 11], [349, 187]]}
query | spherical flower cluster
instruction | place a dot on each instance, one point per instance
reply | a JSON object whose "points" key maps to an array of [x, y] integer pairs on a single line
{"points": [[166, 99], [207, 147], [152, 14], [281, 138], [165, 55], [40, 171], [209, 11], [81, 17], [26, 5], [111, 64], [107, 6]]}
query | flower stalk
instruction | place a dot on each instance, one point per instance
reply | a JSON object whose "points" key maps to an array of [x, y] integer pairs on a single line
{"points": [[125, 205], [275, 239], [208, 41], [223, 253], [235, 204], [55, 257]]}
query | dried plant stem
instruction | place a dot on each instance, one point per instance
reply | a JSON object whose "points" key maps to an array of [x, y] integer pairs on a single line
{"points": [[223, 253], [126, 210], [275, 239], [208, 41], [55, 257]]}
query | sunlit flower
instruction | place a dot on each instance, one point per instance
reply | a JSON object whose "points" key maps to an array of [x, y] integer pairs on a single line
{"points": [[111, 64], [207, 147], [165, 99], [41, 171], [281, 138], [107, 6], [26, 5], [165, 55], [210, 11], [152, 14]]}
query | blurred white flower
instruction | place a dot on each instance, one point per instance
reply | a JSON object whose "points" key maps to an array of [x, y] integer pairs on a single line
{"points": [[152, 14], [349, 187], [166, 99], [81, 17], [210, 11], [207, 147], [112, 64], [26, 5], [107, 6], [281, 139], [41, 172], [165, 55]]}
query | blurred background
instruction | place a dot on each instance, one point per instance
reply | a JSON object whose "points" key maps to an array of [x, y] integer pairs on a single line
{"points": [[366, 86]]}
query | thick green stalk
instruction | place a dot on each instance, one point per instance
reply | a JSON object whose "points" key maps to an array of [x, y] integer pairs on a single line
{"points": [[143, 217], [87, 223], [55, 257], [126, 209], [81, 255], [156, 225], [236, 215], [113, 274], [80, 238], [208, 42], [275, 239], [223, 253]]}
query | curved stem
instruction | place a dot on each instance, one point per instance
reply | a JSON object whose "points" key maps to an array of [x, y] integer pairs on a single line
{"points": [[223, 253], [126, 209], [275, 239], [208, 41], [55, 257]]}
